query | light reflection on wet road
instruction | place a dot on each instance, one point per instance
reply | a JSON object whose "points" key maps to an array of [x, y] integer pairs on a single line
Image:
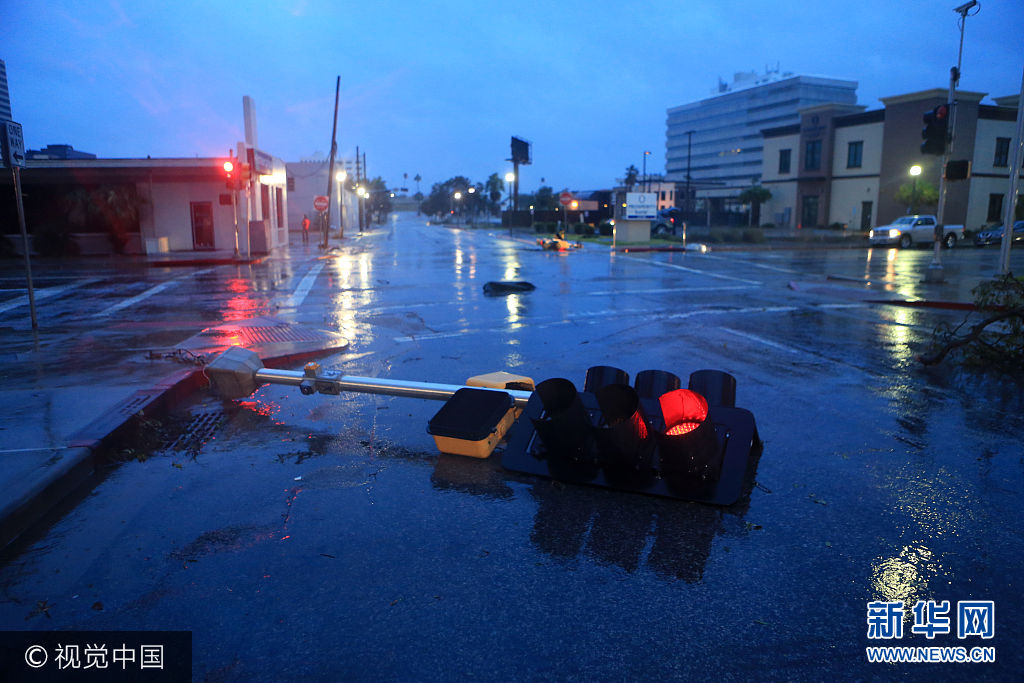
{"points": [[324, 537]]}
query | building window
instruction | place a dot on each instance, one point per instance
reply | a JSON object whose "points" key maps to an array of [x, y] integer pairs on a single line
{"points": [[1002, 152], [663, 195], [812, 155], [995, 208], [854, 154], [291, 183], [809, 211], [784, 160]]}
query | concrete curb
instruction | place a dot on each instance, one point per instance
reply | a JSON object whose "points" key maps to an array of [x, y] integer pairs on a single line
{"points": [[79, 459], [54, 484]]}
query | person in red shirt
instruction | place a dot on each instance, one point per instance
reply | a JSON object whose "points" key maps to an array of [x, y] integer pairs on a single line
{"points": [[305, 229]]}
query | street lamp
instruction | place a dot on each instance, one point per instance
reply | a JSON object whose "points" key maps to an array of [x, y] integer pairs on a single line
{"points": [[510, 178], [915, 171]]}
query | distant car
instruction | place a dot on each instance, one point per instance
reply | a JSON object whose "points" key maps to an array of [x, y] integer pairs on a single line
{"points": [[668, 222], [993, 234]]}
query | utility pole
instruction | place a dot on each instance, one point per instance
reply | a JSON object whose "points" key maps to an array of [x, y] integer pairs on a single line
{"points": [[330, 167], [689, 139], [934, 272]]}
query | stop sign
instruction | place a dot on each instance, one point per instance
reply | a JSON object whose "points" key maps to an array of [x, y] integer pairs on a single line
{"points": [[320, 203], [565, 198]]}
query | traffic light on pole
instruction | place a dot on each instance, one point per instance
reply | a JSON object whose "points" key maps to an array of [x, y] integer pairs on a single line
{"points": [[230, 174], [936, 130]]}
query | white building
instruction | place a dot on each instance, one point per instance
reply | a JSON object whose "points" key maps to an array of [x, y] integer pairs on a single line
{"points": [[181, 204], [717, 142]]}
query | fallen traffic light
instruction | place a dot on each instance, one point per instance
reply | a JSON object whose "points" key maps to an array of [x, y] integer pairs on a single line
{"points": [[653, 437]]}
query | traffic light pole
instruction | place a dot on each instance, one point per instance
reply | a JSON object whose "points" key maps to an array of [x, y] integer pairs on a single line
{"points": [[934, 273], [1011, 196], [238, 372]]}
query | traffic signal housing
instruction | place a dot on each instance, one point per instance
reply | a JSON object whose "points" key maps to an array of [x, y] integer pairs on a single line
{"points": [[236, 174], [653, 437], [230, 174], [935, 133]]}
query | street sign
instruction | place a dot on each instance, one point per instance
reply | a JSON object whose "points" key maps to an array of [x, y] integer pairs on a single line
{"points": [[14, 145], [320, 203], [641, 205], [565, 198]]}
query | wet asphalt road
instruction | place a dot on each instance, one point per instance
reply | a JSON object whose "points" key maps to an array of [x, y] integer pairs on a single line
{"points": [[324, 536]]}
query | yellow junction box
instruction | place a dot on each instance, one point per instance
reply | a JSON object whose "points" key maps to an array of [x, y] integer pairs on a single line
{"points": [[472, 422]]}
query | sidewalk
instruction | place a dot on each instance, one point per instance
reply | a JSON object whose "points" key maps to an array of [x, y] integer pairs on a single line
{"points": [[69, 388]]}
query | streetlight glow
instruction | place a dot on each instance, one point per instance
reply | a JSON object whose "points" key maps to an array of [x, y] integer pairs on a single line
{"points": [[915, 170], [458, 195], [340, 176], [510, 177]]}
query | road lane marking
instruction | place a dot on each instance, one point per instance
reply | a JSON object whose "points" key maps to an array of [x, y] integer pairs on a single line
{"points": [[752, 263], [156, 289], [46, 294], [306, 284], [670, 290], [598, 317], [760, 340], [705, 273]]}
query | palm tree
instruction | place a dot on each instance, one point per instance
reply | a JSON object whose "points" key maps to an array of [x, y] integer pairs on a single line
{"points": [[495, 187], [755, 196], [631, 175]]}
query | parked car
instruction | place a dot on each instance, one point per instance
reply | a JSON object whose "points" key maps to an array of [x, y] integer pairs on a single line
{"points": [[993, 234], [907, 231]]}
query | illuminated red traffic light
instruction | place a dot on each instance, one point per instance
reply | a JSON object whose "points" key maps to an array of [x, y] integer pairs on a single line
{"points": [[229, 166], [683, 411]]}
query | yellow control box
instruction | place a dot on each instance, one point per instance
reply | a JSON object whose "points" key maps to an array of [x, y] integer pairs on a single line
{"points": [[472, 422]]}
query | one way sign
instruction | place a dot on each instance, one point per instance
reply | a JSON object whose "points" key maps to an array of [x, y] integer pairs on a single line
{"points": [[14, 145]]}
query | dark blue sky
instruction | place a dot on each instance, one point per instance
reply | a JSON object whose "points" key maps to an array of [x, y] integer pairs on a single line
{"points": [[438, 88]]}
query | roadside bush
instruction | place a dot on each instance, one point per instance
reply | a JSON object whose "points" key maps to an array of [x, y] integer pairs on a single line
{"points": [[52, 240], [583, 229], [6, 247], [767, 225], [605, 229], [754, 236], [836, 226]]}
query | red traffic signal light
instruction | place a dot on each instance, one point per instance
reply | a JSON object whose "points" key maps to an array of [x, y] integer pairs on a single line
{"points": [[229, 174], [653, 438], [936, 130]]}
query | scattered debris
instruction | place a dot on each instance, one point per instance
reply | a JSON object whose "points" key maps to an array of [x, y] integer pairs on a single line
{"points": [[503, 287]]}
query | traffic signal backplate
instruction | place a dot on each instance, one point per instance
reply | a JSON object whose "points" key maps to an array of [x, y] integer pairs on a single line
{"points": [[731, 442]]}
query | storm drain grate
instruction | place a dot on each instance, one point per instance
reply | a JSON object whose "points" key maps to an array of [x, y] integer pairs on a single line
{"points": [[269, 334], [194, 435], [134, 405]]}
